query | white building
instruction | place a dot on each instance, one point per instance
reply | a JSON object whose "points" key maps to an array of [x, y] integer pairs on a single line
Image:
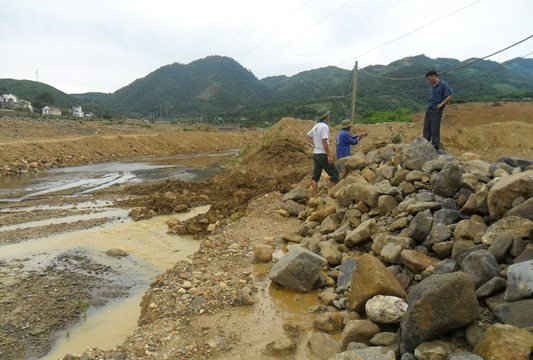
{"points": [[51, 111], [8, 98], [77, 111]]}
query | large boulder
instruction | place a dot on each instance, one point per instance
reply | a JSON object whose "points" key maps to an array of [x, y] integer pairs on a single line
{"points": [[448, 181], [519, 281], [298, 270], [510, 227], [481, 265], [372, 278], [502, 194], [438, 305], [417, 153], [356, 161], [505, 342]]}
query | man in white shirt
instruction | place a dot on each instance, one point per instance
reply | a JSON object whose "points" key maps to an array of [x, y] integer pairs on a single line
{"points": [[322, 156]]}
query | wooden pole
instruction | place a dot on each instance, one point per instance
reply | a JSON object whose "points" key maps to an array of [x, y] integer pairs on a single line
{"points": [[354, 89]]}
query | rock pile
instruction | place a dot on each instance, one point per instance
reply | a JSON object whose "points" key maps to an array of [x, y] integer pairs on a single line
{"points": [[422, 256]]}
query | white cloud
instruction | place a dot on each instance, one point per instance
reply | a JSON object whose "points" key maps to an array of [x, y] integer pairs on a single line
{"points": [[103, 45]]}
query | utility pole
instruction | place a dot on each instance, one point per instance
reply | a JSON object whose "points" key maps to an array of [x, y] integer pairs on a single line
{"points": [[354, 89]]}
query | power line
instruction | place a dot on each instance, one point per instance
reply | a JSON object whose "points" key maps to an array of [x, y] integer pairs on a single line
{"points": [[423, 26], [454, 69]]}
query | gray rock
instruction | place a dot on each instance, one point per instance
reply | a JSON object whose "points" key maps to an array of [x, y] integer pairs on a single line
{"points": [[500, 247], [408, 356], [525, 255], [355, 192], [293, 208], [517, 313], [420, 226], [446, 216], [417, 153], [439, 233], [298, 270], [515, 162], [448, 181], [437, 305], [445, 267], [360, 234], [481, 265], [297, 194], [519, 281], [491, 287], [345, 274]]}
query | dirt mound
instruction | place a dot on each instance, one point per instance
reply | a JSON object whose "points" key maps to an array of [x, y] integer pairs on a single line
{"points": [[281, 159]]}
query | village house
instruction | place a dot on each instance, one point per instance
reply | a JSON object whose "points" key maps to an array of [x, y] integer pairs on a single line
{"points": [[12, 102], [77, 111], [51, 111]]}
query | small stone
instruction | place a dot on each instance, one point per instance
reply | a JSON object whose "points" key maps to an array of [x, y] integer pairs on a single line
{"points": [[434, 350], [116, 253], [385, 309], [519, 281], [417, 261], [281, 347], [330, 322], [384, 339], [491, 287], [263, 253], [358, 331]]}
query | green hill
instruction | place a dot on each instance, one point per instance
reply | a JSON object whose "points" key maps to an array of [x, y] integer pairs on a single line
{"points": [[38, 93], [218, 86]]}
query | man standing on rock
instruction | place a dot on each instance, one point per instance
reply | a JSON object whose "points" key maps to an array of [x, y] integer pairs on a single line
{"points": [[322, 156], [441, 94], [345, 140]]}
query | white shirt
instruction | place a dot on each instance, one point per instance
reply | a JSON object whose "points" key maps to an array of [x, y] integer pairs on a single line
{"points": [[318, 133]]}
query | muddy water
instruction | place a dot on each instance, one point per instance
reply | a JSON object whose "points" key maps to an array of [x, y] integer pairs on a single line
{"points": [[53, 206]]}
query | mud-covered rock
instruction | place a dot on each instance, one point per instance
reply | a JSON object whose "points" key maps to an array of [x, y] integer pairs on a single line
{"points": [[360, 331], [323, 346], [505, 342], [512, 227], [372, 278], [502, 195], [433, 350], [331, 322], [437, 305], [263, 253], [360, 234]]}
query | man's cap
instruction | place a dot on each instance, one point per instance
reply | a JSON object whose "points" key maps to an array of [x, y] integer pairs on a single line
{"points": [[325, 115], [346, 123]]}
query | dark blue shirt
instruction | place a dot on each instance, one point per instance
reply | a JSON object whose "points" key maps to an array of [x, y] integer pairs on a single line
{"points": [[344, 141], [439, 92]]}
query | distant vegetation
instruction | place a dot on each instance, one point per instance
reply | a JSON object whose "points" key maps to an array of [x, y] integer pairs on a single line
{"points": [[219, 90]]}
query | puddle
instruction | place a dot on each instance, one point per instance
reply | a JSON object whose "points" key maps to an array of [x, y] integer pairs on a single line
{"points": [[151, 251], [87, 179]]}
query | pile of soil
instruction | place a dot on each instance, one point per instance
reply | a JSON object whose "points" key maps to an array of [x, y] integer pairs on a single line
{"points": [[272, 166]]}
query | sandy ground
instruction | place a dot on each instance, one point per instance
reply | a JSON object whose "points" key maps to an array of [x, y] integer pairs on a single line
{"points": [[30, 145]]}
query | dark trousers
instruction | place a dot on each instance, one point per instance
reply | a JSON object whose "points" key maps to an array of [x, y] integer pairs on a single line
{"points": [[320, 162], [432, 126]]}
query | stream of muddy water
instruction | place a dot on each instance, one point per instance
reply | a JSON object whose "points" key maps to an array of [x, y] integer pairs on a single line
{"points": [[60, 290]]}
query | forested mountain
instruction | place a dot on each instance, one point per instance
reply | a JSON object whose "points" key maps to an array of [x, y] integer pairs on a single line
{"points": [[218, 86]]}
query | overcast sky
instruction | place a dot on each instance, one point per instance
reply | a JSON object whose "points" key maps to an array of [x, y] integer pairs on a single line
{"points": [[102, 45]]}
